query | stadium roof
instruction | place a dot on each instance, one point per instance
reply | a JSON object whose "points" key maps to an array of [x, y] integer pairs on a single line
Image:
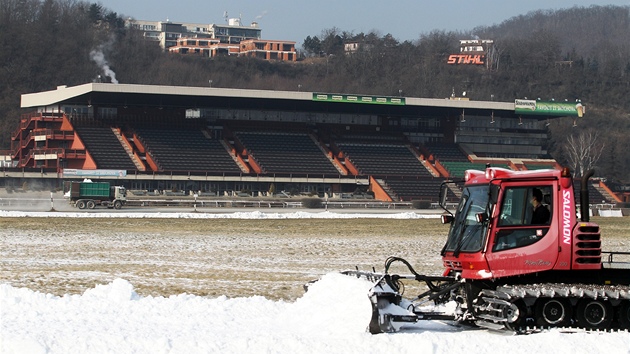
{"points": [[112, 95]]}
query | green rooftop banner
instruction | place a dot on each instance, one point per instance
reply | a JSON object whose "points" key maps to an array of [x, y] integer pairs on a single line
{"points": [[535, 107], [333, 97]]}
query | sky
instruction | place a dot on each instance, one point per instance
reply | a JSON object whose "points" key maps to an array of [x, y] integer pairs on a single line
{"points": [[295, 20], [331, 317]]}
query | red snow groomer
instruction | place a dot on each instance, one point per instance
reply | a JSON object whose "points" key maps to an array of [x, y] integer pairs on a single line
{"points": [[510, 265]]}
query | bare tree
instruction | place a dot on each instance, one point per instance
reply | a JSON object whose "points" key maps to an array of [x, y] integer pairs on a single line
{"points": [[583, 151]]}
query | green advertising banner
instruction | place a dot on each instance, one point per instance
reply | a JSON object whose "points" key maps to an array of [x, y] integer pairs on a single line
{"points": [[549, 108], [333, 97]]}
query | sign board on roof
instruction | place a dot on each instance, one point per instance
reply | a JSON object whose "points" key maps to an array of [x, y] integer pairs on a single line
{"points": [[535, 107]]}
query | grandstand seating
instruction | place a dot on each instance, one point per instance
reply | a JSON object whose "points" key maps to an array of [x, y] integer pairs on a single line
{"points": [[181, 147], [383, 159], [457, 169], [417, 188], [286, 153], [186, 150], [447, 152], [594, 195], [400, 169], [105, 148]]}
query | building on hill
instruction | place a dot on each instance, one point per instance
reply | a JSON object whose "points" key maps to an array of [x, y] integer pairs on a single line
{"points": [[206, 47], [210, 40], [257, 48], [167, 33], [269, 49]]}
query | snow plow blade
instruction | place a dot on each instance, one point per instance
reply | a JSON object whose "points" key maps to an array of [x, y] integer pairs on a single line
{"points": [[391, 312], [387, 314]]}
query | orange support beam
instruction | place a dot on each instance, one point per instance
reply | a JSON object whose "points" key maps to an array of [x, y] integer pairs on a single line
{"points": [[152, 164], [339, 165], [609, 191], [351, 168], [443, 171], [138, 144], [434, 171], [379, 192], [254, 164], [243, 163]]}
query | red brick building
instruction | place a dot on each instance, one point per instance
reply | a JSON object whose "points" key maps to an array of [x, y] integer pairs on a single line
{"points": [[258, 48]]}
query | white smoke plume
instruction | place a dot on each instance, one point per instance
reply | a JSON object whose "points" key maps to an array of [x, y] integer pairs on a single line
{"points": [[99, 58], [261, 15]]}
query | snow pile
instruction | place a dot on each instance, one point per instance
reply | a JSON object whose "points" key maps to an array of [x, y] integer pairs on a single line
{"points": [[330, 318]]}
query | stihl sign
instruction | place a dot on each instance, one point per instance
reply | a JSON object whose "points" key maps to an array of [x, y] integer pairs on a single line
{"points": [[467, 59]]}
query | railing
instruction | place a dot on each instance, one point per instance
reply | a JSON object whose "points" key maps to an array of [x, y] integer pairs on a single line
{"points": [[186, 173], [41, 151], [27, 118], [7, 152], [235, 203], [50, 134], [208, 203], [73, 154], [611, 262]]}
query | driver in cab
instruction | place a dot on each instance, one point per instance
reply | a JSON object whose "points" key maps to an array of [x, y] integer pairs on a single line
{"points": [[541, 214]]}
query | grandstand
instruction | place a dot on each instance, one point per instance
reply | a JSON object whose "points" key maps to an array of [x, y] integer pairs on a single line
{"points": [[225, 140]]}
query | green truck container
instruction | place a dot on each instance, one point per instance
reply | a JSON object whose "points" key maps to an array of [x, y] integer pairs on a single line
{"points": [[93, 189], [90, 194]]}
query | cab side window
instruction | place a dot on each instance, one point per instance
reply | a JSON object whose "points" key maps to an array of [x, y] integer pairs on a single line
{"points": [[524, 217], [514, 208]]}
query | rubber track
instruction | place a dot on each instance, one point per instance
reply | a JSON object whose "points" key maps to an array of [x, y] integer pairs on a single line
{"points": [[492, 306]]}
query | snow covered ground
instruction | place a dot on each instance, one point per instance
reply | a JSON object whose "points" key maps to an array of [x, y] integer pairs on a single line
{"points": [[330, 318]]}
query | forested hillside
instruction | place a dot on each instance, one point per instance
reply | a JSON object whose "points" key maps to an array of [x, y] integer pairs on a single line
{"points": [[577, 53]]}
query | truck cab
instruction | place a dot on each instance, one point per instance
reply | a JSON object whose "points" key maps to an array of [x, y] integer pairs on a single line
{"points": [[495, 234], [120, 193]]}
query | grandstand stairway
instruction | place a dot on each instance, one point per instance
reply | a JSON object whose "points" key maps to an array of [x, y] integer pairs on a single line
{"points": [[597, 195], [139, 165], [609, 198], [342, 170], [386, 188], [230, 150]]}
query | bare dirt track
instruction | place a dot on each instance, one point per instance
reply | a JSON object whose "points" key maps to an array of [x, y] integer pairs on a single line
{"points": [[232, 257], [162, 257]]}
